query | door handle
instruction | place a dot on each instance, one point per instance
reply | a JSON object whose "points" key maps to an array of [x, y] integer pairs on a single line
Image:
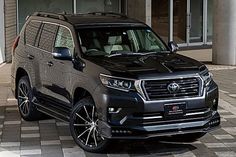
{"points": [[31, 57], [50, 64]]}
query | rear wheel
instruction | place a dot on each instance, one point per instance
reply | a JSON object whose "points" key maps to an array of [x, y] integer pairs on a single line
{"points": [[26, 107], [84, 126]]}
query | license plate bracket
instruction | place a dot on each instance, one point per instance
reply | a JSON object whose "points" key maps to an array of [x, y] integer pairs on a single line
{"points": [[174, 110]]}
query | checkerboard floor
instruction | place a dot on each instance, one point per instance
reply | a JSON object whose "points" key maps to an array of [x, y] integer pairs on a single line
{"points": [[51, 138]]}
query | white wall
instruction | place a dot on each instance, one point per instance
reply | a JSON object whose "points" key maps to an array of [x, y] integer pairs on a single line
{"points": [[224, 32], [149, 12], [2, 32]]}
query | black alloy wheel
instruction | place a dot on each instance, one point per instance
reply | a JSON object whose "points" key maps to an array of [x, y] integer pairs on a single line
{"points": [[84, 126]]}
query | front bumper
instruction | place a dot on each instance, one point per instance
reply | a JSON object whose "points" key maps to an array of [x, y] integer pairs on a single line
{"points": [[145, 132], [139, 119]]}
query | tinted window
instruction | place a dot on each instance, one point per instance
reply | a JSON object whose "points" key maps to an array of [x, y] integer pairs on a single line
{"points": [[64, 39], [31, 32], [47, 37], [108, 41]]}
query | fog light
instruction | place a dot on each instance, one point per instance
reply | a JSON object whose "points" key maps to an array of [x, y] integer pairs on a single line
{"points": [[214, 102], [214, 122], [113, 110], [121, 132]]}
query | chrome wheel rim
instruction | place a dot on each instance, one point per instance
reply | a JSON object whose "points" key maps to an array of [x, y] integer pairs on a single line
{"points": [[23, 98], [86, 127]]}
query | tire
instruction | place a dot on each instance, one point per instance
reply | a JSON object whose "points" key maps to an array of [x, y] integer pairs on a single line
{"points": [[189, 137], [84, 127], [26, 107]]}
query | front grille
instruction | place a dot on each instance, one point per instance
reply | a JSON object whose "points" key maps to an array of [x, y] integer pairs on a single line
{"points": [[158, 89]]}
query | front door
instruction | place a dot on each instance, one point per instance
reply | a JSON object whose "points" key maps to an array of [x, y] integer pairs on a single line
{"points": [[58, 71]]}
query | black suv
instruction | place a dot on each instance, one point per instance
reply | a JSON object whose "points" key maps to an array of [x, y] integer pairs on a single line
{"points": [[110, 77]]}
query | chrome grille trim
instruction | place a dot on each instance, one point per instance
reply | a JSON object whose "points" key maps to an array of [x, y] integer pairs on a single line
{"points": [[201, 90], [198, 113], [158, 118]]}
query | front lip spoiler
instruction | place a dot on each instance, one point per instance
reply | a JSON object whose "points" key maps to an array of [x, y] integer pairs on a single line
{"points": [[168, 129], [166, 134]]}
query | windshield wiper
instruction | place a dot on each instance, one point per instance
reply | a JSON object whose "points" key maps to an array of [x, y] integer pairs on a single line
{"points": [[136, 54], [155, 52], [125, 54]]}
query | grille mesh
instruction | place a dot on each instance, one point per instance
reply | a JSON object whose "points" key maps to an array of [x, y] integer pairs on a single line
{"points": [[158, 89]]}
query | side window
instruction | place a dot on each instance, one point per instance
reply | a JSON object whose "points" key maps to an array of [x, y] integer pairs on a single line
{"points": [[31, 32], [47, 37], [64, 39]]}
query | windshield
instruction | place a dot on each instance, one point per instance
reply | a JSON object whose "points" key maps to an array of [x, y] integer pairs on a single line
{"points": [[111, 41]]}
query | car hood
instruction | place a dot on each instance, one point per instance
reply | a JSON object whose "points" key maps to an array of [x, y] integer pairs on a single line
{"points": [[137, 65]]}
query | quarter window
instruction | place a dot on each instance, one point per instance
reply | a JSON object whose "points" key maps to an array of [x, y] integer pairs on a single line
{"points": [[64, 39], [48, 37]]}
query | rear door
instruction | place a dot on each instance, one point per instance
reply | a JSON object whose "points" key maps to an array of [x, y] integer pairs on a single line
{"points": [[32, 54], [45, 45]]}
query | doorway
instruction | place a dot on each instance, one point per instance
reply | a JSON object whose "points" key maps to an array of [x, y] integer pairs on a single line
{"points": [[192, 21], [195, 21]]}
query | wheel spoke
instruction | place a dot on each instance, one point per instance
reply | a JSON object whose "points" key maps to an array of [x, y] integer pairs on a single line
{"points": [[87, 113], [94, 137], [81, 118], [83, 133], [22, 103], [91, 129], [21, 97], [23, 108], [81, 124], [25, 89], [93, 113], [27, 107], [100, 135], [22, 91]]}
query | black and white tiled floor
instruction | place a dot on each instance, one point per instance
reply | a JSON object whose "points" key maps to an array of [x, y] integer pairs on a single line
{"points": [[51, 138]]}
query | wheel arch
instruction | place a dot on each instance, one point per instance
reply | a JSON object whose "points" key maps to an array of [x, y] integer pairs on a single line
{"points": [[80, 93]]}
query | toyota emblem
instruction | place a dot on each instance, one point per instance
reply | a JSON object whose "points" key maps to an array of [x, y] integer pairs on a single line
{"points": [[173, 88]]}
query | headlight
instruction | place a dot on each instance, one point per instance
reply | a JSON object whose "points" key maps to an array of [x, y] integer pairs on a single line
{"points": [[207, 77], [122, 84]]}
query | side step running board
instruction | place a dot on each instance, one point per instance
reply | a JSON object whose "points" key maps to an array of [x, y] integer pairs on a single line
{"points": [[51, 111]]}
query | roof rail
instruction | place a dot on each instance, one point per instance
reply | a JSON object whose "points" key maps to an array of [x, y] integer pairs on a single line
{"points": [[51, 15], [108, 13]]}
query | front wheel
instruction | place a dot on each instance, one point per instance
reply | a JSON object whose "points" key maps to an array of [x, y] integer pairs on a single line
{"points": [[84, 126]]}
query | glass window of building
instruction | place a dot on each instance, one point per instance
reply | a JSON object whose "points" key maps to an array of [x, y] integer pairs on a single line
{"points": [[160, 18], [27, 7], [84, 6], [180, 21], [209, 20], [196, 21]]}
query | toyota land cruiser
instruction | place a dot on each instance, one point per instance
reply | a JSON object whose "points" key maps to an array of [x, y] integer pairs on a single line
{"points": [[110, 77]]}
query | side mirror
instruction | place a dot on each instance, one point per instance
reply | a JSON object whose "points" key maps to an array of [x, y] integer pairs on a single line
{"points": [[173, 46], [62, 53]]}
